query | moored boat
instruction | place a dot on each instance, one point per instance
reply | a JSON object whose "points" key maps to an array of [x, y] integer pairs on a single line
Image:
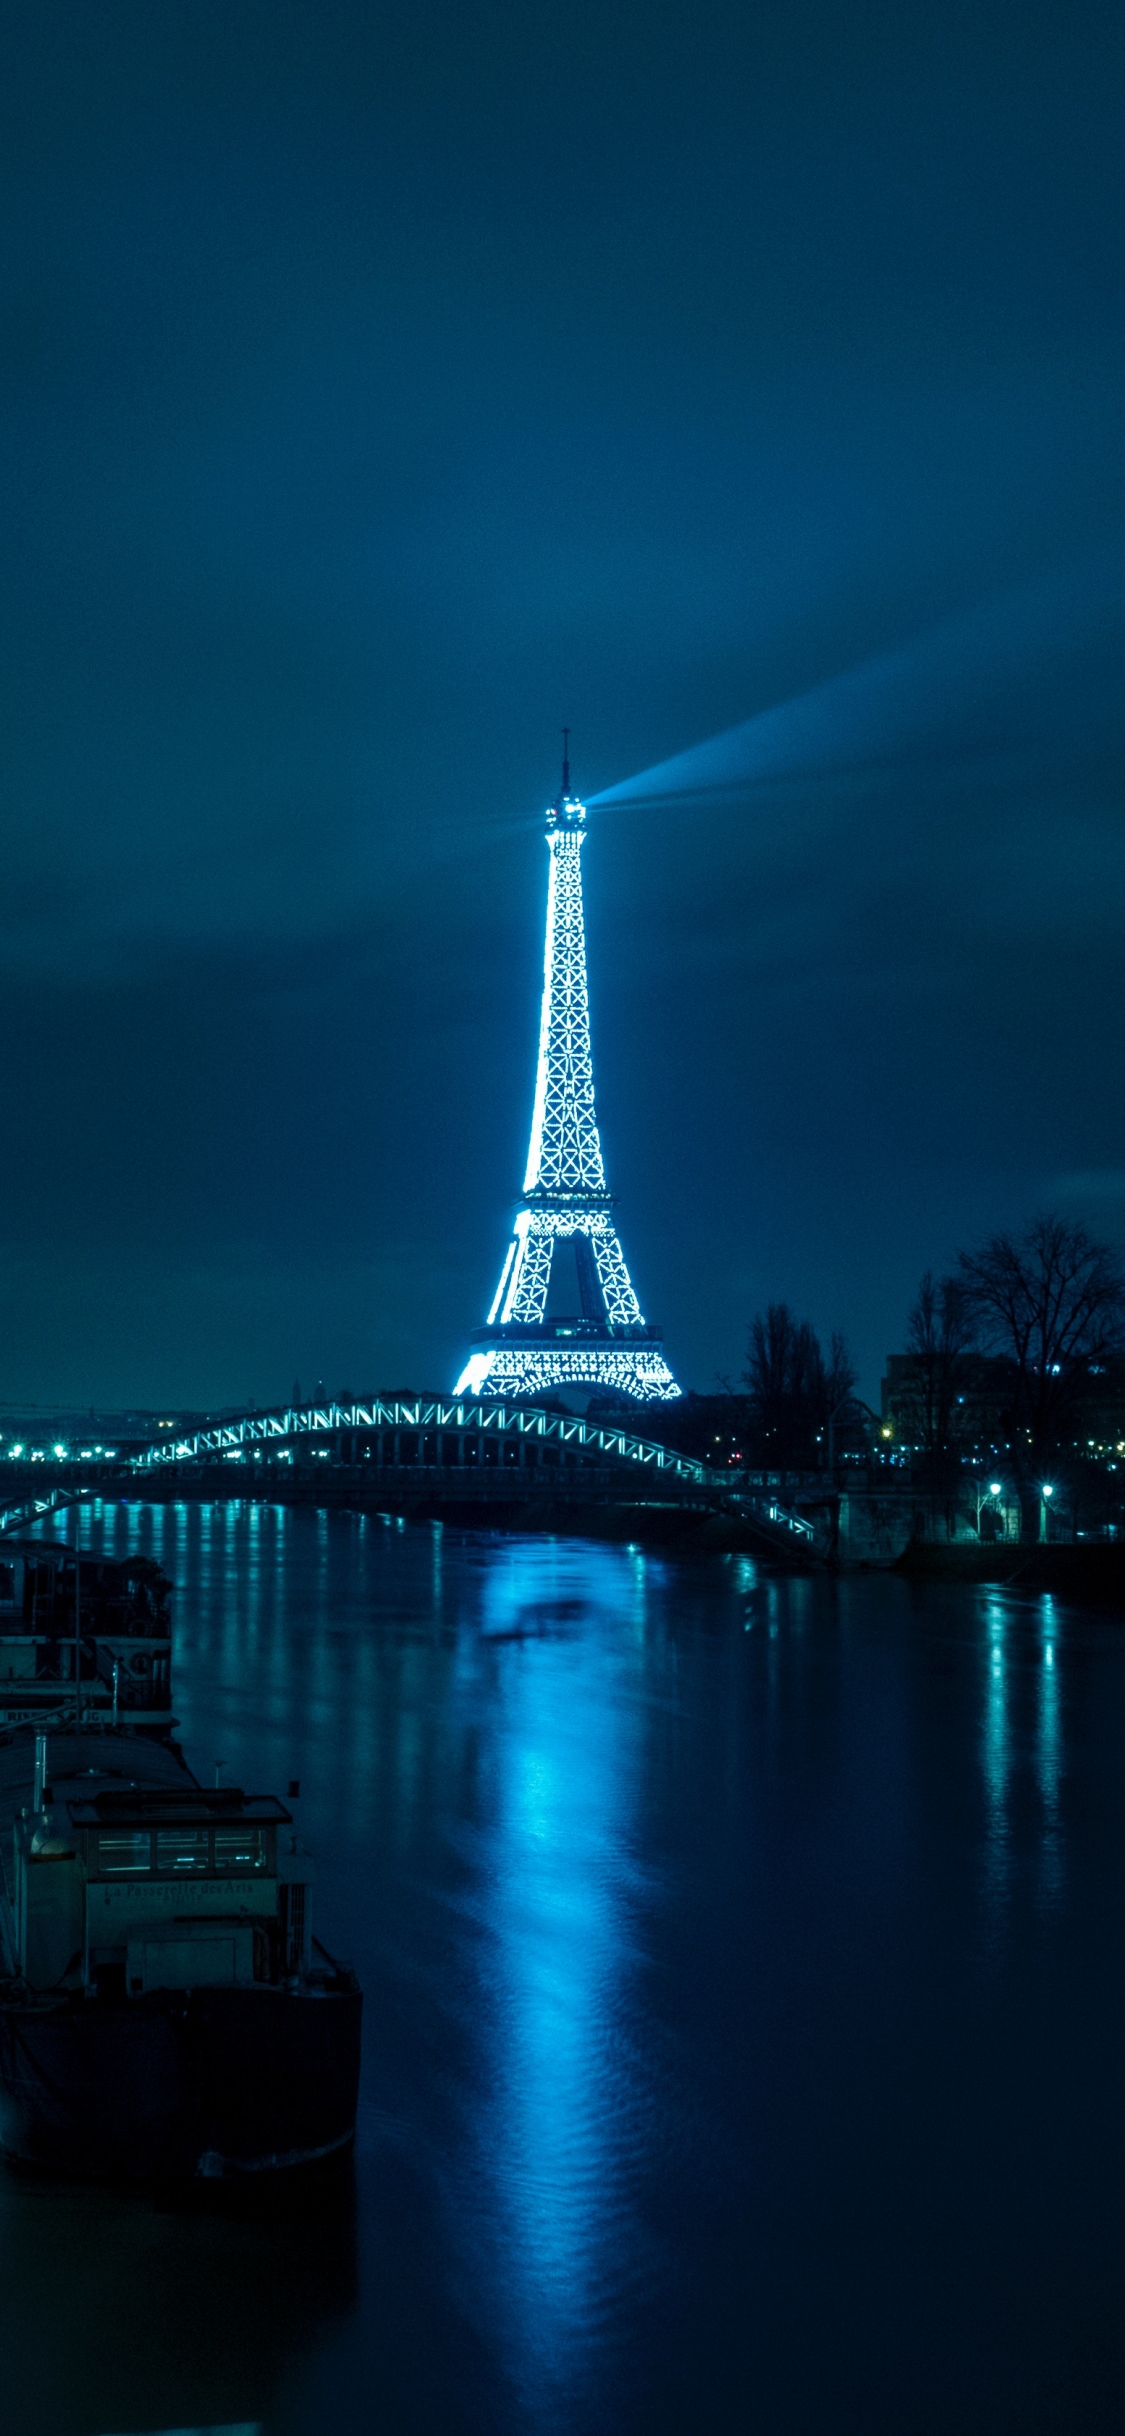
{"points": [[165, 2011], [83, 1628]]}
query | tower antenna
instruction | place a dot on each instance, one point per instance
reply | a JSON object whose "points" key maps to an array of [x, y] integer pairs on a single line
{"points": [[566, 761]]}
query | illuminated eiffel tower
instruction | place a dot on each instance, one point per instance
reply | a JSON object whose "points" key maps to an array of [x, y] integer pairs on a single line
{"points": [[605, 1344]]}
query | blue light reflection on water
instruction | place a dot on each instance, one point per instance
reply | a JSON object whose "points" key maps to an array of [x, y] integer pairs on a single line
{"points": [[996, 1759], [745, 1993], [1050, 1747], [555, 2138]]}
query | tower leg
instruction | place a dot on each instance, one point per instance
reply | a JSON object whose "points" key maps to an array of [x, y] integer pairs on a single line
{"points": [[618, 1293], [589, 1283]]}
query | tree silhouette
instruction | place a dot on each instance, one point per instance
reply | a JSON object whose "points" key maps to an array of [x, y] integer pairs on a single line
{"points": [[794, 1390], [1048, 1302], [940, 1330]]}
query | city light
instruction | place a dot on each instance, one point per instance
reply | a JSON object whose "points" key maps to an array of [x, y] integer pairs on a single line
{"points": [[504, 1275], [523, 1370], [565, 1152]]}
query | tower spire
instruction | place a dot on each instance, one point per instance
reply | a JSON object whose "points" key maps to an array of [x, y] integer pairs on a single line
{"points": [[606, 1343]]}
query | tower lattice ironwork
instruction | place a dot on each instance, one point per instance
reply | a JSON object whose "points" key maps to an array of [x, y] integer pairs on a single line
{"points": [[606, 1343]]}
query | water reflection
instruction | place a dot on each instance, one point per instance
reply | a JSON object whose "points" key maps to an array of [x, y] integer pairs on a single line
{"points": [[565, 2108], [1023, 1653], [996, 1761], [665, 1924], [1049, 1748], [120, 2315]]}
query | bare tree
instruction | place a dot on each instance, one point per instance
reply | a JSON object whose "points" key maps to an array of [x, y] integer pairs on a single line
{"points": [[1049, 1302], [794, 1391], [940, 1330], [840, 1374], [777, 1369]]}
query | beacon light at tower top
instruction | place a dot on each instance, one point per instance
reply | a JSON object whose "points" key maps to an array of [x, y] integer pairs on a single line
{"points": [[606, 1343]]}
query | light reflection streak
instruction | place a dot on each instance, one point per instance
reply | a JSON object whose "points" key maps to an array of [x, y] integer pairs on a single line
{"points": [[1039, 1645], [996, 1762], [206, 1575], [561, 2121], [231, 1519], [253, 1574], [1049, 1757]]}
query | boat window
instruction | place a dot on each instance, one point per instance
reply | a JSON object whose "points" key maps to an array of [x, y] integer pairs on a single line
{"points": [[181, 1848], [239, 1848], [124, 1853]]}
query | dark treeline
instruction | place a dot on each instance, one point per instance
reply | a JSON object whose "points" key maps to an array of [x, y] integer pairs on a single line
{"points": [[797, 1393], [794, 1408], [1018, 1356], [1012, 1368]]}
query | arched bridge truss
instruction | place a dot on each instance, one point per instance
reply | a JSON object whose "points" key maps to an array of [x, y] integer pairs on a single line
{"points": [[519, 1426], [414, 1439]]}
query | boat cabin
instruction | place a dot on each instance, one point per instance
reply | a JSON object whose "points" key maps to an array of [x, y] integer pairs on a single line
{"points": [[105, 1622], [123, 1891]]}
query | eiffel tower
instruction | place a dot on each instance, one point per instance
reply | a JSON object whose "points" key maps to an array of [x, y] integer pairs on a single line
{"points": [[606, 1344]]}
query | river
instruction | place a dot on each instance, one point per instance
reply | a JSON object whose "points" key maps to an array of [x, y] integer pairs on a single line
{"points": [[745, 2005]]}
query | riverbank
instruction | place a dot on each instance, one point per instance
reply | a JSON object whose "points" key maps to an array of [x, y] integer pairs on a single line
{"points": [[854, 1534], [1091, 1573]]}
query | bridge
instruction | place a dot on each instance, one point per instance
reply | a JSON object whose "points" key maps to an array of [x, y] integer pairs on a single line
{"points": [[469, 1459], [445, 1431]]}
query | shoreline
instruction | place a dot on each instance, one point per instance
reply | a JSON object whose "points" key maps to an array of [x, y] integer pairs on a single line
{"points": [[1089, 1572]]}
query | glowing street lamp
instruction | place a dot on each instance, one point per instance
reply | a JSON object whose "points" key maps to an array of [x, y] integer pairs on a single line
{"points": [[1045, 1493], [995, 1489]]}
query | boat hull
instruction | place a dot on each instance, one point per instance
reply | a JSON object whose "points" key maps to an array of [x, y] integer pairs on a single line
{"points": [[212, 2083]]}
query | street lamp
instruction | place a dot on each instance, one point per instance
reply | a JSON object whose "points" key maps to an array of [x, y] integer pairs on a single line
{"points": [[995, 1489], [1046, 1491]]}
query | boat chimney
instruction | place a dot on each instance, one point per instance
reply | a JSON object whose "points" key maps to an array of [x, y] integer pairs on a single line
{"points": [[40, 1772]]}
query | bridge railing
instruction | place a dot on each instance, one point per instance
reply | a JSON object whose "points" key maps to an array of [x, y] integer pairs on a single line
{"points": [[419, 1413], [22, 1512]]}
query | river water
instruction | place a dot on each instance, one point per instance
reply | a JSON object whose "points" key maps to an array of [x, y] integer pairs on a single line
{"points": [[745, 2006]]}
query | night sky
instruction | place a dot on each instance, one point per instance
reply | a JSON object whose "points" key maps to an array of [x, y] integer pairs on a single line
{"points": [[385, 386]]}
